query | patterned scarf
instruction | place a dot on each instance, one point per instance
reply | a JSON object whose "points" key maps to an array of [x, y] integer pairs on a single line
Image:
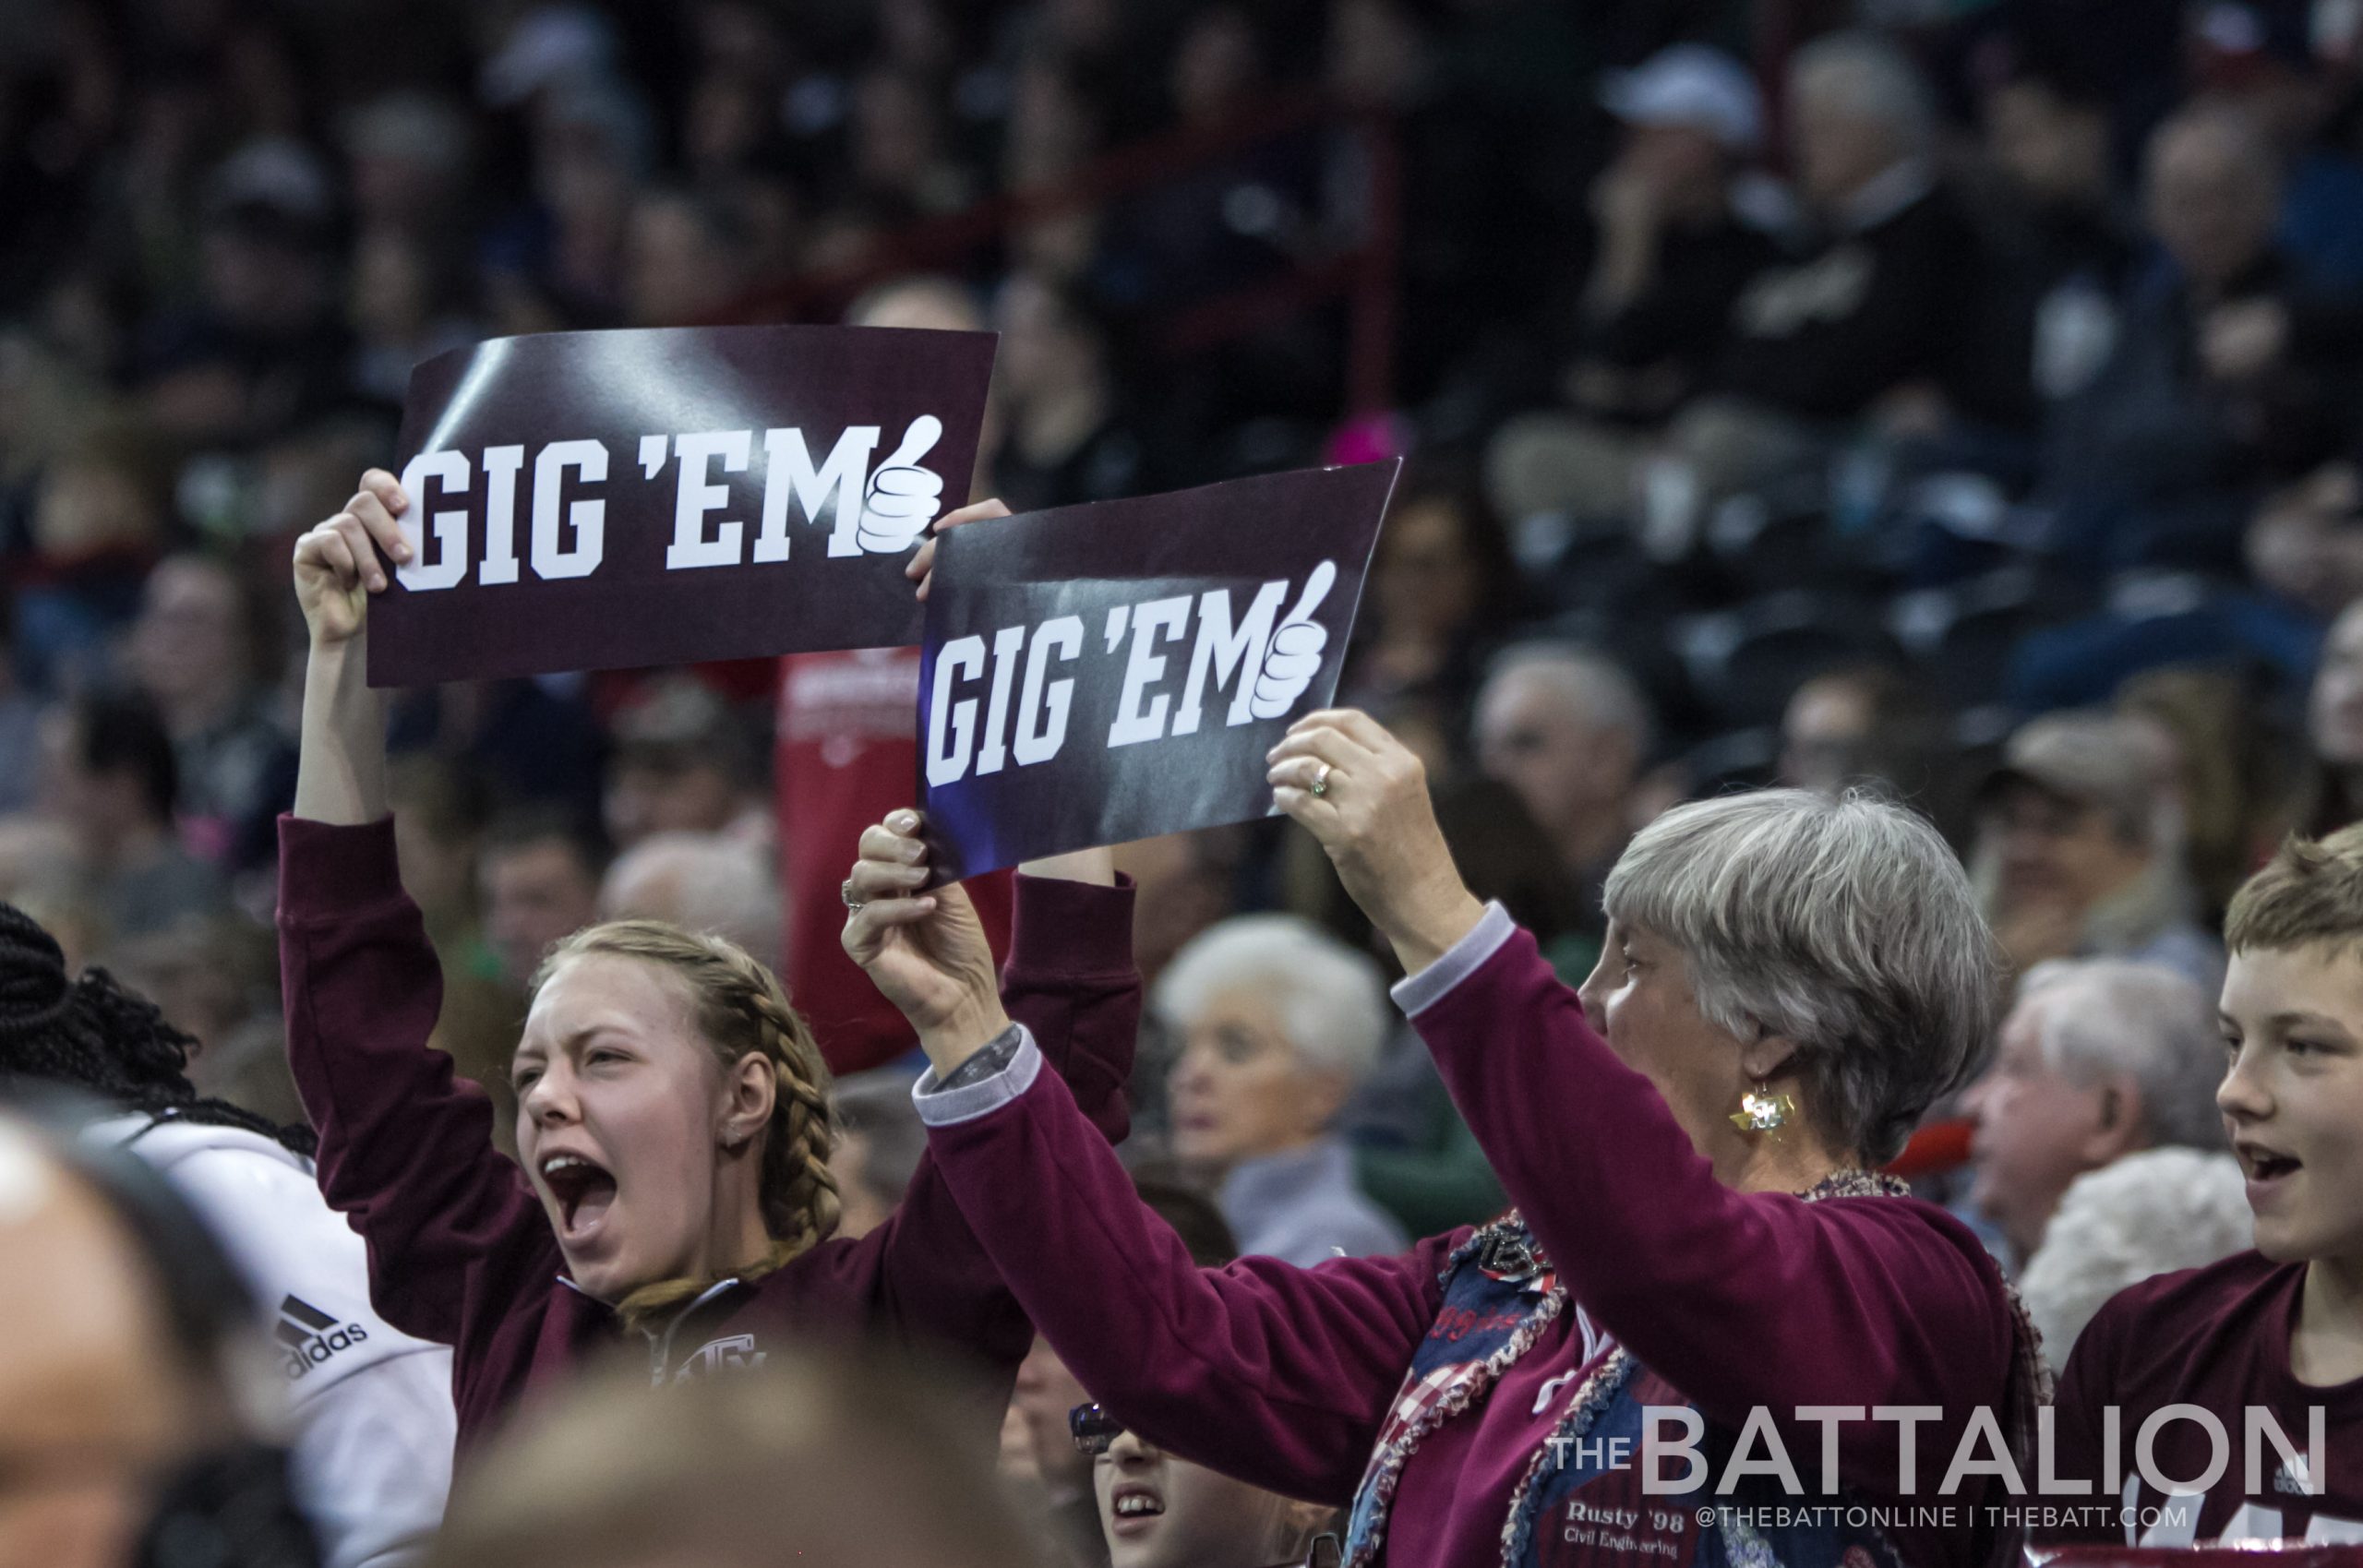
{"points": [[1507, 1250]]}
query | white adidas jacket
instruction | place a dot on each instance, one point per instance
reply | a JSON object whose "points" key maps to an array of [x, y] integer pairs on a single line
{"points": [[371, 1407]]}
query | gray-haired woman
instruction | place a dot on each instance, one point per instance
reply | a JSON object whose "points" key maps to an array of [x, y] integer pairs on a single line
{"points": [[1700, 1259], [1278, 1022]]}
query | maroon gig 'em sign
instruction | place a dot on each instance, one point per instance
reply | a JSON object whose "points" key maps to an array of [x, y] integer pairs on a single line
{"points": [[601, 500], [1115, 671]]}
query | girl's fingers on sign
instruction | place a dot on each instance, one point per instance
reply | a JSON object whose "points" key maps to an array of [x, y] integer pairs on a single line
{"points": [[370, 510], [386, 489], [346, 553], [326, 549], [335, 572]]}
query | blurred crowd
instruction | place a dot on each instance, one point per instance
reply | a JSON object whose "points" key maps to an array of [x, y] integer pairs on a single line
{"points": [[1962, 399]]}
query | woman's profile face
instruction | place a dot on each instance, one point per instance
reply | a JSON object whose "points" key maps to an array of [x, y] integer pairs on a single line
{"points": [[1239, 1089], [620, 1113], [1639, 999]]}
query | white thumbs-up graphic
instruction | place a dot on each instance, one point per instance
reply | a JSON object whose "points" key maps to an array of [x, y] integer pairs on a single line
{"points": [[902, 497], [1293, 656]]}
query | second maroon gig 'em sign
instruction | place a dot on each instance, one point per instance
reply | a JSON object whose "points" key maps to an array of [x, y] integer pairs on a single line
{"points": [[1114, 671], [603, 501]]}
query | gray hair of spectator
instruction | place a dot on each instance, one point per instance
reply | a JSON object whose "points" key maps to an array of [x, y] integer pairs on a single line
{"points": [[1591, 682], [2109, 1015], [1844, 925], [699, 881], [2148, 1214], [1331, 998], [876, 1106], [1867, 77]]}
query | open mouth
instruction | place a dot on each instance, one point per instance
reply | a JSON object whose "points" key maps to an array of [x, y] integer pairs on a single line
{"points": [[2266, 1167], [1131, 1508], [584, 1191]]}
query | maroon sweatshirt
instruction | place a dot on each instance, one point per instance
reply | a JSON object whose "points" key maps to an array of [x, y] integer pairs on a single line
{"points": [[460, 1250], [2216, 1338], [1283, 1376]]}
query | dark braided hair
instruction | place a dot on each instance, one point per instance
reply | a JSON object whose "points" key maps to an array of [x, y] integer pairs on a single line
{"points": [[97, 1035]]}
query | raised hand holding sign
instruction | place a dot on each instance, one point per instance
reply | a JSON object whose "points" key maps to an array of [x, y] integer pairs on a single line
{"points": [[598, 500]]}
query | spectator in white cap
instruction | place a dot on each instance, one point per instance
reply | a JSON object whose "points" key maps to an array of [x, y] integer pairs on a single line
{"points": [[2099, 1060], [1689, 86], [1886, 311], [1672, 253], [547, 46], [2079, 849]]}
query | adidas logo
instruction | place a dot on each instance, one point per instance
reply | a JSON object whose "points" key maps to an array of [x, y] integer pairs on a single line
{"points": [[310, 1336]]}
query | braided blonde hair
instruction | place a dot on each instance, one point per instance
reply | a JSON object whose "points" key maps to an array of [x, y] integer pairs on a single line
{"points": [[741, 1010]]}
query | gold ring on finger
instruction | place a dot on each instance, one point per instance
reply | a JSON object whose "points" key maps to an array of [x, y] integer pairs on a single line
{"points": [[1321, 781]]}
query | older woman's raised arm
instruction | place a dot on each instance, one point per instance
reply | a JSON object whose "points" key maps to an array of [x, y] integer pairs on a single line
{"points": [[1740, 1299], [1281, 1375]]}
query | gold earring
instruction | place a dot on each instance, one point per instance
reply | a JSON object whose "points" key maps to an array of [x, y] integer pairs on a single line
{"points": [[1762, 1113]]}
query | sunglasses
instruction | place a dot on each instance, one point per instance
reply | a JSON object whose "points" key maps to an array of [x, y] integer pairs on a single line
{"points": [[1095, 1430]]}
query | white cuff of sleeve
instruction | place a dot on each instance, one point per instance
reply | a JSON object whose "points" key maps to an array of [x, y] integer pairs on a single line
{"points": [[1416, 993], [947, 1107]]}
